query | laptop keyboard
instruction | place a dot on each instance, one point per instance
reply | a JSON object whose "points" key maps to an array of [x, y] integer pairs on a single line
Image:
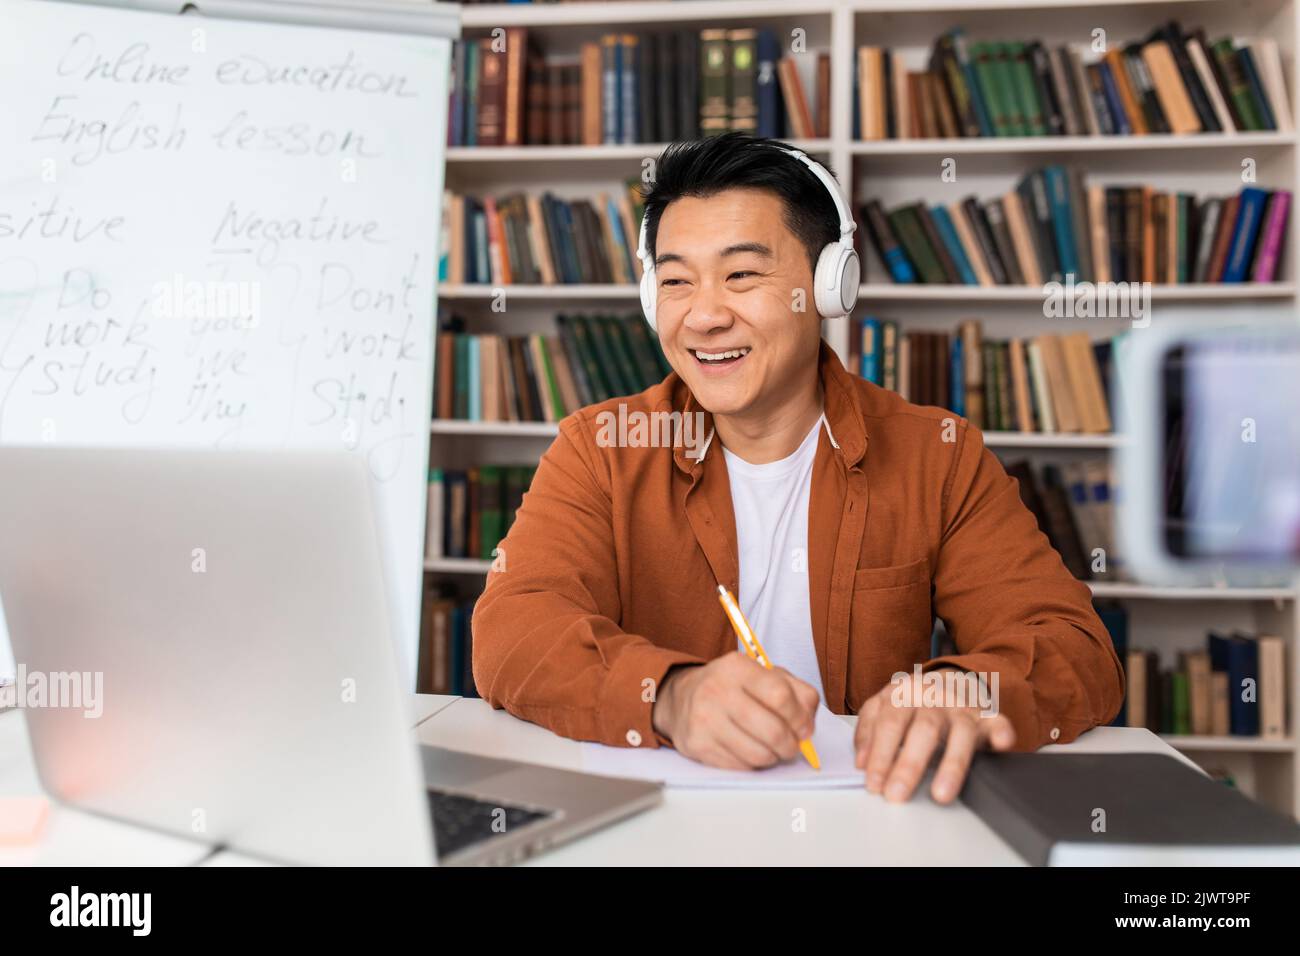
{"points": [[460, 821]]}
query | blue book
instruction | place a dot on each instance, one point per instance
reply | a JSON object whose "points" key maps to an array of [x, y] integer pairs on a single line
{"points": [[1241, 250], [482, 271], [869, 363], [1115, 620], [768, 85], [475, 389], [625, 250], [948, 233], [1113, 101], [563, 229], [1262, 106], [957, 376], [982, 115], [1058, 200], [1238, 657]]}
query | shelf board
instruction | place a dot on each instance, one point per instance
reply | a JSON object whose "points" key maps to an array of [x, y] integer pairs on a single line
{"points": [[607, 292], [1190, 292], [1099, 589], [488, 15], [549, 429], [1121, 589], [1193, 742], [1001, 145], [580, 153], [886, 292], [457, 565], [443, 426]]}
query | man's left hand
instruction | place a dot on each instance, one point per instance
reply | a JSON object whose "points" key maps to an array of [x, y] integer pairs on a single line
{"points": [[894, 744]]}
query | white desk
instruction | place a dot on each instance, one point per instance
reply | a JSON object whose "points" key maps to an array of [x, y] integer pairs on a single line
{"points": [[799, 828], [698, 827]]}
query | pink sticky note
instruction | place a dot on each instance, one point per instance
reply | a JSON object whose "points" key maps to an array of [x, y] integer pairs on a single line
{"points": [[22, 819]]}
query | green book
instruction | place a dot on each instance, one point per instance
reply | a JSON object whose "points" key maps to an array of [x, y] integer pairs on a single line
{"points": [[1001, 362], [638, 349], [592, 363], [550, 387], [1238, 85], [1026, 90], [608, 326], [1182, 704], [992, 408], [1004, 74], [602, 349], [991, 85], [650, 343], [908, 229], [491, 493], [515, 482]]}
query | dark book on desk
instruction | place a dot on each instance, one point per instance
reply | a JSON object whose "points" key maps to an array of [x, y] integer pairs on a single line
{"points": [[1038, 803]]}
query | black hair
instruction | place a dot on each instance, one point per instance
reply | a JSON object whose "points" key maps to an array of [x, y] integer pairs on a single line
{"points": [[704, 167]]}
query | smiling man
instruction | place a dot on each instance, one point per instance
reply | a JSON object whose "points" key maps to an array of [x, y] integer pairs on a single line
{"points": [[844, 519]]}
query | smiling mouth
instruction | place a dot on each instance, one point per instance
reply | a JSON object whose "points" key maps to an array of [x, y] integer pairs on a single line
{"points": [[719, 358]]}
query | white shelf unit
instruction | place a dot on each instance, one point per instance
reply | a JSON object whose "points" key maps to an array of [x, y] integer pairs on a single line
{"points": [[1165, 619]]}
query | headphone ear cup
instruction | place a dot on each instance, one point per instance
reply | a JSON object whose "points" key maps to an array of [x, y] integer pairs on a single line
{"points": [[649, 294], [836, 280]]}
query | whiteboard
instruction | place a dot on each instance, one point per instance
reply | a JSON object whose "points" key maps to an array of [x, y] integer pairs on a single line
{"points": [[221, 233]]}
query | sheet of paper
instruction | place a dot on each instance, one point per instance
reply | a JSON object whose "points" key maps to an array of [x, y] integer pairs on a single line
{"points": [[832, 737]]}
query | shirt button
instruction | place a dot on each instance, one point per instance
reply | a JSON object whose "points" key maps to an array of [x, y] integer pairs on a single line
{"points": [[634, 738], [1056, 732]]}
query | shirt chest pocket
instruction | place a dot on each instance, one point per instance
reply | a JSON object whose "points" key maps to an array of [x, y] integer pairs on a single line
{"points": [[890, 624]]}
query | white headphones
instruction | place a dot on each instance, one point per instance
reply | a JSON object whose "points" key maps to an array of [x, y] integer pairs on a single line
{"points": [[835, 281]]}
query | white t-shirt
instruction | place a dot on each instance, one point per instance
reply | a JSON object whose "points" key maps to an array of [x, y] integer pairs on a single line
{"points": [[771, 506]]}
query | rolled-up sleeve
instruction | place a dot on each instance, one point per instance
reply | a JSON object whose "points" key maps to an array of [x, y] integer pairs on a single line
{"points": [[1012, 608], [547, 644]]}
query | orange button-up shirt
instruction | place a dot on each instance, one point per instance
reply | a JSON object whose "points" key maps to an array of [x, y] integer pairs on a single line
{"points": [[609, 575]]}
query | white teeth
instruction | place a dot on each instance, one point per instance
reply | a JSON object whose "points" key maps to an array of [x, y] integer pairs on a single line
{"points": [[720, 356]]}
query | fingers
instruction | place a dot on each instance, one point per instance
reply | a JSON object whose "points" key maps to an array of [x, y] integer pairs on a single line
{"points": [[890, 725], [924, 734], [862, 733], [725, 741], [998, 732], [764, 725], [792, 700], [964, 736]]}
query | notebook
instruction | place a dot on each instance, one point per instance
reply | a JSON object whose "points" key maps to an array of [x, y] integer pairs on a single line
{"points": [[832, 736]]}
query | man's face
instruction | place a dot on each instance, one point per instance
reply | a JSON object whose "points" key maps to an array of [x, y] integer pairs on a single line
{"points": [[731, 276]]}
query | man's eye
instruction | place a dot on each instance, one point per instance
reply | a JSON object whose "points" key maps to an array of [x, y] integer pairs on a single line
{"points": [[669, 282], [742, 274]]}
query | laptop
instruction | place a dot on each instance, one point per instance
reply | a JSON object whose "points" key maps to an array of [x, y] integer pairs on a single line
{"points": [[214, 629]]}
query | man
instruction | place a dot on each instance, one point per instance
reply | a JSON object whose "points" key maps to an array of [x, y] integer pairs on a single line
{"points": [[843, 518]]}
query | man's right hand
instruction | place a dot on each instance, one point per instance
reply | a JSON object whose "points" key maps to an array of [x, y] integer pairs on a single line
{"points": [[734, 713]]}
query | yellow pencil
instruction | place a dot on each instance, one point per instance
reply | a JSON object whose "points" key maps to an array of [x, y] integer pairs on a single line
{"points": [[756, 652]]}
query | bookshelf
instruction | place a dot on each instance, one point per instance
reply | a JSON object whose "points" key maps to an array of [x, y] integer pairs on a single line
{"points": [[1164, 619]]}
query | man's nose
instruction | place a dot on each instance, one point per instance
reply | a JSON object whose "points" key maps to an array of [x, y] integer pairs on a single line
{"points": [[707, 310]]}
